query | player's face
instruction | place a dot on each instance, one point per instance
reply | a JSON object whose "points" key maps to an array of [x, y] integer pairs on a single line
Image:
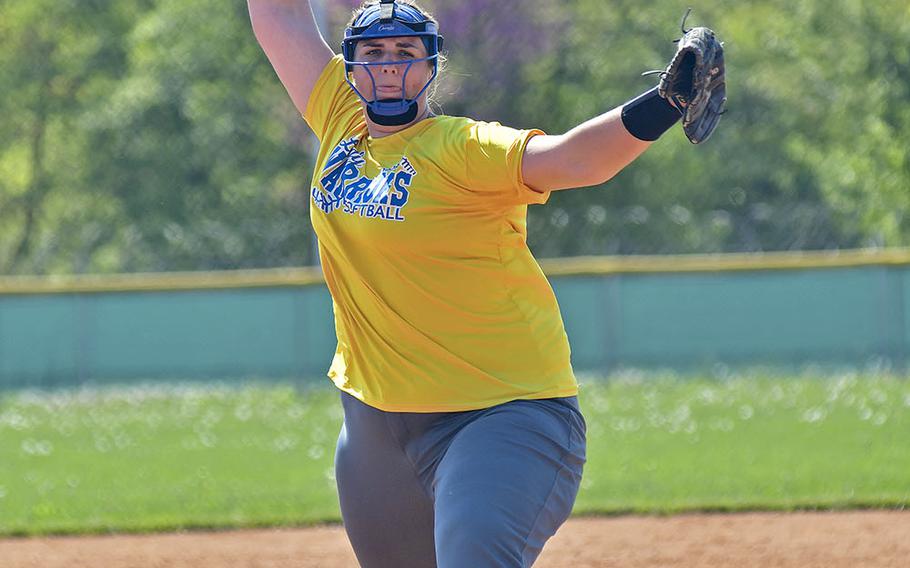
{"points": [[397, 51]]}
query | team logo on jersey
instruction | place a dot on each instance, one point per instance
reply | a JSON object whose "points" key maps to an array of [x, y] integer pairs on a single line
{"points": [[341, 185]]}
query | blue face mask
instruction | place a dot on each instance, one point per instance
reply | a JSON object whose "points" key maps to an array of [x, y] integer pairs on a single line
{"points": [[384, 20]]}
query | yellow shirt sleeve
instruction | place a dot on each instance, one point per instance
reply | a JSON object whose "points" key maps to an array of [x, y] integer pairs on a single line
{"points": [[331, 100], [492, 163]]}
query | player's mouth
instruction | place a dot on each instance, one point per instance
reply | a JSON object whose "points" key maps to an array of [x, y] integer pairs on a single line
{"points": [[389, 92]]}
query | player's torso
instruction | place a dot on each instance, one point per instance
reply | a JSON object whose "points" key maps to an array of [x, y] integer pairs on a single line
{"points": [[438, 302], [398, 197]]}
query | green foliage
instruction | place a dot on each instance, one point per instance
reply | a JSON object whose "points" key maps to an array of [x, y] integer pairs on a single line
{"points": [[743, 190], [153, 135], [146, 136], [55, 58], [202, 147], [169, 457]]}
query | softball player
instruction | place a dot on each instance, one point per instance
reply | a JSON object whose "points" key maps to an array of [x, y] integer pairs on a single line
{"points": [[462, 444]]}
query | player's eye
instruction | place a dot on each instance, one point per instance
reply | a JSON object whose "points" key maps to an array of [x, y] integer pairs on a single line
{"points": [[372, 54], [407, 54]]}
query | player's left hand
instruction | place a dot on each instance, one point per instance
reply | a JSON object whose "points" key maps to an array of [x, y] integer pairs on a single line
{"points": [[695, 83]]}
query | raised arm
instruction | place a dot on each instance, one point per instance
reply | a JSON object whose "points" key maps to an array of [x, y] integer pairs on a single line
{"points": [[589, 154], [692, 87], [287, 32]]}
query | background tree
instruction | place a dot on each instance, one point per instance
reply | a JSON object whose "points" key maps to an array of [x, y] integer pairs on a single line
{"points": [[56, 60], [202, 147], [149, 135]]}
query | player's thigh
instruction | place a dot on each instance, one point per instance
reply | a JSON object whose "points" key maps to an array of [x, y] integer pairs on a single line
{"points": [[387, 514], [508, 481]]}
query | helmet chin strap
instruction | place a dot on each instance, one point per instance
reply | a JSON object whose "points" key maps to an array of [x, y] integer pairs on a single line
{"points": [[392, 112]]}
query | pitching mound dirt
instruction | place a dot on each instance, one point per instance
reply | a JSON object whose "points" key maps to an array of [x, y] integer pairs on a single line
{"points": [[799, 540]]}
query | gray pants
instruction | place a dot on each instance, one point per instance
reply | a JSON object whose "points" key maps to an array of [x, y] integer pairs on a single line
{"points": [[477, 489]]}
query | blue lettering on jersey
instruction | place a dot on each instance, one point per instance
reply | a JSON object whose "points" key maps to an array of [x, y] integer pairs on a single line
{"points": [[402, 181], [342, 185]]}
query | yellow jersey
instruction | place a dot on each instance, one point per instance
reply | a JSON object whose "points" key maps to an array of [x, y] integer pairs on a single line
{"points": [[439, 305]]}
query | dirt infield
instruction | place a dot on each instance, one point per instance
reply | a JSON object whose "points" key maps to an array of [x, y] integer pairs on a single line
{"points": [[798, 540]]}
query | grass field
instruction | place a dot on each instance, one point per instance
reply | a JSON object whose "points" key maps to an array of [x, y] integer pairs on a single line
{"points": [[210, 456]]}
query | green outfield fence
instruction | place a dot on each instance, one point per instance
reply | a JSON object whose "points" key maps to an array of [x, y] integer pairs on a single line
{"points": [[687, 313]]}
